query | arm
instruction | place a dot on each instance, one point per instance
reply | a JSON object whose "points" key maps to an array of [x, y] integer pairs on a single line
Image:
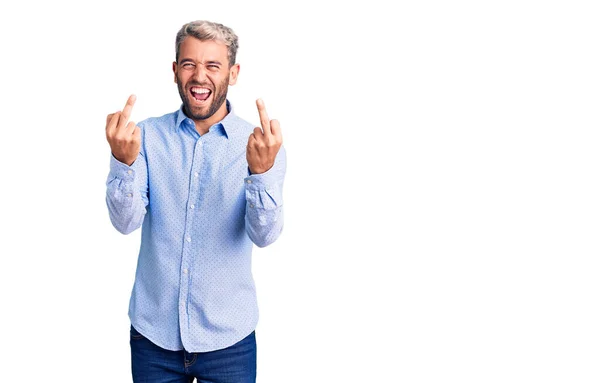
{"points": [[127, 194], [266, 164], [264, 203], [127, 183]]}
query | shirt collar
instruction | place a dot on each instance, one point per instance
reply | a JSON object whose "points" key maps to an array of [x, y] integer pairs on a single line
{"points": [[230, 124]]}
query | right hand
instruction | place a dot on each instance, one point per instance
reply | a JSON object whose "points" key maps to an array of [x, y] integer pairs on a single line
{"points": [[123, 137]]}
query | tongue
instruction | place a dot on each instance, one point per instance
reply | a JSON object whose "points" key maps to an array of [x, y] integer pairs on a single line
{"points": [[201, 96]]}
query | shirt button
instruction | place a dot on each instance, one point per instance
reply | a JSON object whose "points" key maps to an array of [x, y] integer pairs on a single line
{"points": [[251, 205], [185, 271], [129, 195], [129, 171], [189, 239], [249, 181], [192, 206], [195, 174]]}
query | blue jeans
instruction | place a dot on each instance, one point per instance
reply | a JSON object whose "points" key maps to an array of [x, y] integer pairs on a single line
{"points": [[153, 364]]}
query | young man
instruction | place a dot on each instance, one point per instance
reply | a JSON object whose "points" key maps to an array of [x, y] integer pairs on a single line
{"points": [[204, 185]]}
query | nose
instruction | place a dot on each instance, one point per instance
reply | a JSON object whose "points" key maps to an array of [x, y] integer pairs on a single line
{"points": [[200, 73]]}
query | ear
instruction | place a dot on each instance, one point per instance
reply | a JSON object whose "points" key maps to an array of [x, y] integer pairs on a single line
{"points": [[175, 71], [233, 73]]}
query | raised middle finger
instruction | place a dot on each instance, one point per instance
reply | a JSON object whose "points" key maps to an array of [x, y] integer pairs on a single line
{"points": [[264, 117], [127, 111]]}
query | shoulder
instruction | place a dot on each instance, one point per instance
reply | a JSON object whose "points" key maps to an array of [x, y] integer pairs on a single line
{"points": [[164, 121], [240, 128], [240, 123]]}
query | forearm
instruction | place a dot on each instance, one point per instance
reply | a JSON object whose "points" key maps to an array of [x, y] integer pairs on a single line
{"points": [[264, 203], [126, 199], [264, 225]]}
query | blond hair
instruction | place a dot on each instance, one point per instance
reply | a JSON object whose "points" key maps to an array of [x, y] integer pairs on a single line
{"points": [[207, 30]]}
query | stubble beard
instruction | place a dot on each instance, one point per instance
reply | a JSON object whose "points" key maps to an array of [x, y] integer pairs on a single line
{"points": [[219, 96]]}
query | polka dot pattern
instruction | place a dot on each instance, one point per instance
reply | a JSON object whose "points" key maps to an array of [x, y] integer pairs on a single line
{"points": [[201, 212]]}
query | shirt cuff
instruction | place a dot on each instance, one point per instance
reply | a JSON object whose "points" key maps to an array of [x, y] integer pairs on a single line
{"points": [[264, 190], [120, 170]]}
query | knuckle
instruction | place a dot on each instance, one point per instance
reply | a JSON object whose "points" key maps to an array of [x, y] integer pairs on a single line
{"points": [[122, 140]]}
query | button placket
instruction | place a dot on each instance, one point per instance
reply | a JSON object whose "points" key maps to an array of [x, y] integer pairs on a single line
{"points": [[188, 244]]}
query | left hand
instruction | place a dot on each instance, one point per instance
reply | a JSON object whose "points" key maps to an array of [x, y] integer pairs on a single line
{"points": [[263, 144]]}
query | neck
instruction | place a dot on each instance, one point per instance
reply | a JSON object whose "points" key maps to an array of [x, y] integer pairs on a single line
{"points": [[202, 126]]}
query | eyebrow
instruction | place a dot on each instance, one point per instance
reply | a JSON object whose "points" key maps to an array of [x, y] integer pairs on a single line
{"points": [[206, 63]]}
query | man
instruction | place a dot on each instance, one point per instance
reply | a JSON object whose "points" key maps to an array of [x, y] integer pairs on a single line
{"points": [[204, 185]]}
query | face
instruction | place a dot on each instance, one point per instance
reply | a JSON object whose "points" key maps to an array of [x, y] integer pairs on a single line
{"points": [[203, 75]]}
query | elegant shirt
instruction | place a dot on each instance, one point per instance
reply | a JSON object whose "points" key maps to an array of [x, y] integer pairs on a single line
{"points": [[200, 212]]}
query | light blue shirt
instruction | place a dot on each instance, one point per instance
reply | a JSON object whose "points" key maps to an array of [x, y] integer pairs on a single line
{"points": [[200, 212]]}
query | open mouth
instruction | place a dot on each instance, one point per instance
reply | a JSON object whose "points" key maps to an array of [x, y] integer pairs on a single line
{"points": [[200, 94]]}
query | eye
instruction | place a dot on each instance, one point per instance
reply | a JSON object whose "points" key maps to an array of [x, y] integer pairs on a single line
{"points": [[188, 66], [213, 67]]}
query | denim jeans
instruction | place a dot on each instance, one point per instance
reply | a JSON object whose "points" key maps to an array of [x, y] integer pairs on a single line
{"points": [[153, 364]]}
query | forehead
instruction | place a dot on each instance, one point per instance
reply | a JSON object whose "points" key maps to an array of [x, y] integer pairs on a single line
{"points": [[192, 48]]}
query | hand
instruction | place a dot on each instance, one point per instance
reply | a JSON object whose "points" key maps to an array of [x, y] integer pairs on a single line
{"points": [[264, 144], [123, 137]]}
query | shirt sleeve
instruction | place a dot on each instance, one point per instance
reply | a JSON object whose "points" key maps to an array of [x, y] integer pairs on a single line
{"points": [[127, 193], [264, 202]]}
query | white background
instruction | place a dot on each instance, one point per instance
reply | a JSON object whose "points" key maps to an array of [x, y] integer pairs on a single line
{"points": [[441, 200]]}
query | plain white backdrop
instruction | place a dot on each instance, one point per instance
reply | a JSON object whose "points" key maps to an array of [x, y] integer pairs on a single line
{"points": [[441, 199]]}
